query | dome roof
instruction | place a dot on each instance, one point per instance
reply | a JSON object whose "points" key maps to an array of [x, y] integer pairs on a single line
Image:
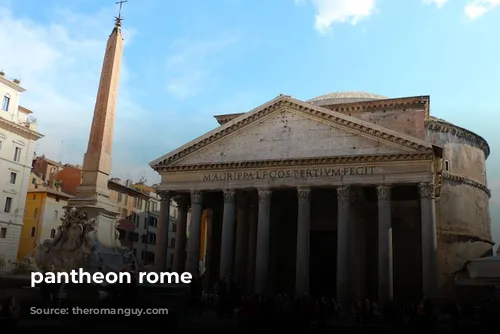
{"points": [[345, 97]]}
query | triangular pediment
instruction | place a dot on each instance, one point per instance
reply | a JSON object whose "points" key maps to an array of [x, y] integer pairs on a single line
{"points": [[285, 128]]}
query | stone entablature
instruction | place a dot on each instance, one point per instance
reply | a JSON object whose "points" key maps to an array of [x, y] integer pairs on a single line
{"points": [[319, 175], [471, 137]]}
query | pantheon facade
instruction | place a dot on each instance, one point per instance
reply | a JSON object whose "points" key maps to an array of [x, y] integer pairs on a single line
{"points": [[352, 194]]}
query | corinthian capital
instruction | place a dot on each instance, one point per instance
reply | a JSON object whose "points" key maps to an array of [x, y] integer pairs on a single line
{"points": [[196, 197], [426, 190], [165, 196], [265, 195], [229, 195], [344, 193], [304, 194], [384, 193]]}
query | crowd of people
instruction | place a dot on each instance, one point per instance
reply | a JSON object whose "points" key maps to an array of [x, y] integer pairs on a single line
{"points": [[284, 310]]}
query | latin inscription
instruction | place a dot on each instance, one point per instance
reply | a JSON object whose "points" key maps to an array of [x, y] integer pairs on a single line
{"points": [[289, 174]]}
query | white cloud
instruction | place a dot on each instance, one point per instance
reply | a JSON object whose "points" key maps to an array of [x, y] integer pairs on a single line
{"points": [[438, 3], [191, 65], [59, 64], [477, 8], [329, 12]]}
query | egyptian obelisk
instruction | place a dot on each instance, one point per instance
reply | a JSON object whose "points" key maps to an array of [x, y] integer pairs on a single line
{"points": [[92, 196]]}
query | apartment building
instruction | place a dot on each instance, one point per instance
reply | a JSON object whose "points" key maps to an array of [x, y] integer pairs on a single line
{"points": [[18, 135]]}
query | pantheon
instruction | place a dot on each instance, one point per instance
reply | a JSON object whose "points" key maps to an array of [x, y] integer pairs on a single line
{"points": [[350, 194]]}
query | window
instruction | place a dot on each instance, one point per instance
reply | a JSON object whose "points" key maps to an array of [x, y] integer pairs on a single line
{"points": [[33, 181], [6, 102], [56, 214], [3, 233], [171, 259], [17, 154], [8, 204], [13, 178], [174, 227], [153, 206], [447, 165], [126, 199], [172, 243], [119, 199], [35, 213], [52, 233], [145, 222], [33, 231], [34, 196], [124, 212]]}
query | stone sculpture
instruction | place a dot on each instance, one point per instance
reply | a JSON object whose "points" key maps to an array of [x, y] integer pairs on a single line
{"points": [[73, 245]]}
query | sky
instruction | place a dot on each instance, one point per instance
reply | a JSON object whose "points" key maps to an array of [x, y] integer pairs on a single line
{"points": [[187, 60]]}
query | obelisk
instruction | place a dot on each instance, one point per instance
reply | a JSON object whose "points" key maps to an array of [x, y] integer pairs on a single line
{"points": [[92, 196]]}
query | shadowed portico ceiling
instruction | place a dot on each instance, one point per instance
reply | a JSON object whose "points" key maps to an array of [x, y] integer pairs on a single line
{"points": [[410, 144]]}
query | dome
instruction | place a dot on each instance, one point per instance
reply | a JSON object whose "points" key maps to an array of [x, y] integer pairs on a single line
{"points": [[345, 97]]}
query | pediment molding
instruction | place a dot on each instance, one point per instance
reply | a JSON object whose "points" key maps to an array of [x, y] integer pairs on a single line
{"points": [[334, 118], [320, 161]]}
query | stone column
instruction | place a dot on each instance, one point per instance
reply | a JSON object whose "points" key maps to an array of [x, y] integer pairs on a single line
{"points": [[429, 240], [385, 278], [303, 242], [242, 231], [162, 232], [263, 242], [252, 243], [193, 251], [343, 248], [180, 235], [228, 236]]}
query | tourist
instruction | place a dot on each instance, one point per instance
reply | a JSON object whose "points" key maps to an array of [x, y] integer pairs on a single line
{"points": [[58, 295], [11, 312]]}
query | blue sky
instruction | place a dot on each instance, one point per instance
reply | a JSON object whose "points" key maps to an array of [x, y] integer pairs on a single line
{"points": [[186, 61]]}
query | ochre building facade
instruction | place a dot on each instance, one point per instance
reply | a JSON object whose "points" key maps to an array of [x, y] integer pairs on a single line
{"points": [[348, 194]]}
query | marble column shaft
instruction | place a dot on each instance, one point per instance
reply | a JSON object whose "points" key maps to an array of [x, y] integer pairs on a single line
{"points": [[302, 267], [385, 265], [180, 235], [193, 251], [263, 242], [429, 240], [228, 237], [242, 238], [162, 232], [252, 243], [343, 248]]}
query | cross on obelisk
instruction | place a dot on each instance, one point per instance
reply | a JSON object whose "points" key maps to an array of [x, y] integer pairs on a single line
{"points": [[119, 18]]}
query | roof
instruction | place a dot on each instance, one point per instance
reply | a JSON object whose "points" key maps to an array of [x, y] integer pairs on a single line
{"points": [[356, 124], [51, 191], [345, 97]]}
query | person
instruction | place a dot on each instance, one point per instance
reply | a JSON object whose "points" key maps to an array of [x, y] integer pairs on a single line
{"points": [[11, 312], [58, 291], [221, 291]]}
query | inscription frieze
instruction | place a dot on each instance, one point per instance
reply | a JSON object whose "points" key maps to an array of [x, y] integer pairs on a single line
{"points": [[289, 174]]}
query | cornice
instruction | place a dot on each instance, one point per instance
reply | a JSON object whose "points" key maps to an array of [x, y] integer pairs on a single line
{"points": [[321, 161], [339, 119], [404, 102], [461, 180], [453, 234], [22, 130], [471, 137]]}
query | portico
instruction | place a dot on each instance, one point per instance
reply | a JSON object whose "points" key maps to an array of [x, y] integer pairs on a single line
{"points": [[310, 201]]}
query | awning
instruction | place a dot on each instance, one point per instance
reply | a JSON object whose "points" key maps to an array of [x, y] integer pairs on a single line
{"points": [[126, 225]]}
